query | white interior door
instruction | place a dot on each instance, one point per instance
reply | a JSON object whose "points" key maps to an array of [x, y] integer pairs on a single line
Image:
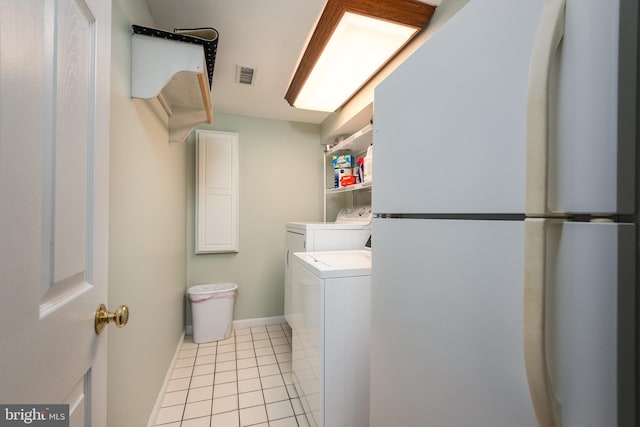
{"points": [[54, 158]]}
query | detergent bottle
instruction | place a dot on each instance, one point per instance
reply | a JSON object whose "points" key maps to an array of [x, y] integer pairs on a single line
{"points": [[368, 165]]}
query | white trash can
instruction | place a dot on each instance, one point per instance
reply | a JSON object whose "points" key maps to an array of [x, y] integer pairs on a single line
{"points": [[212, 310]]}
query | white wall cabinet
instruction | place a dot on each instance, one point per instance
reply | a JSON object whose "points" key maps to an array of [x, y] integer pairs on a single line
{"points": [[217, 181]]}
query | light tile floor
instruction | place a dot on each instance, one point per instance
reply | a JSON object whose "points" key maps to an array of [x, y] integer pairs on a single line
{"points": [[244, 380]]}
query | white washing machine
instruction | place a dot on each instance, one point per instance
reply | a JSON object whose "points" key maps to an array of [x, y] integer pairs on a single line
{"points": [[350, 231], [331, 326]]}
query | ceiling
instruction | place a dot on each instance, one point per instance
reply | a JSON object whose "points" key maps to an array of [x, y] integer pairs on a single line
{"points": [[269, 36]]}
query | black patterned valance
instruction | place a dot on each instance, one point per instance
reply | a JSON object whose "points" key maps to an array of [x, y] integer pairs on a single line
{"points": [[207, 37]]}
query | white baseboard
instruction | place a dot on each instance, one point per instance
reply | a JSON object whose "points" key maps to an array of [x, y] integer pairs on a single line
{"points": [[248, 323], [260, 321]]}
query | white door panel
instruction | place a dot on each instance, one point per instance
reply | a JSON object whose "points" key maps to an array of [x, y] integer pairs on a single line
{"points": [[54, 151]]}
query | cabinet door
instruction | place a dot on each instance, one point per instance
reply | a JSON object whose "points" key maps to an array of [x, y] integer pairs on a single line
{"points": [[217, 201]]}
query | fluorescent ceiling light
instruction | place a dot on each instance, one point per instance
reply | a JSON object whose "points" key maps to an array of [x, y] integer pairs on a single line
{"points": [[353, 40]]}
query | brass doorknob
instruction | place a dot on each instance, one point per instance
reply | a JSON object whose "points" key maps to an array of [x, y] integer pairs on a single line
{"points": [[120, 317]]}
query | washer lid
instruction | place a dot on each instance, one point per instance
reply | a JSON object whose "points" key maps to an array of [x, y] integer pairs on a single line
{"points": [[336, 263]]}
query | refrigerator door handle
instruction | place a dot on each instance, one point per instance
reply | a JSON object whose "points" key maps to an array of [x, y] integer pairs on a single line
{"points": [[548, 36], [543, 397]]}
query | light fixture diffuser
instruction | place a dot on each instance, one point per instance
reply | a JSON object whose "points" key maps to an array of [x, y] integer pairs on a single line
{"points": [[352, 40]]}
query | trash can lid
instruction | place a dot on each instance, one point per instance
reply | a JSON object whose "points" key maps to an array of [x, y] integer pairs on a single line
{"points": [[211, 288]]}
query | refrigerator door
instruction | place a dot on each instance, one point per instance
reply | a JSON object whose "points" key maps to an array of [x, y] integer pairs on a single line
{"points": [[468, 108], [448, 324], [589, 314], [592, 109]]}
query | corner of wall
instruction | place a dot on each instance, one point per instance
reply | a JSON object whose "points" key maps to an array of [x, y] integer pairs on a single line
{"points": [[147, 260]]}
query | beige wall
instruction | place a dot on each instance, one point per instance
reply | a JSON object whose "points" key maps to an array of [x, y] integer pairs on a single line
{"points": [[280, 181], [147, 265]]}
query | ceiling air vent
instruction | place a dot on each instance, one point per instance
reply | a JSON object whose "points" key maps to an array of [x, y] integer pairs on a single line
{"points": [[244, 74]]}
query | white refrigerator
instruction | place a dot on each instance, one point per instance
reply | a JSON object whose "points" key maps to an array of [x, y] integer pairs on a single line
{"points": [[504, 230]]}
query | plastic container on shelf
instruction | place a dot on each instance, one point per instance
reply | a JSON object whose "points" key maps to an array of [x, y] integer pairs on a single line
{"points": [[339, 174], [368, 165], [360, 175]]}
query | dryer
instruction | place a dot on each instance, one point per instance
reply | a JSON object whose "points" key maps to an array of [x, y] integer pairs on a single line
{"points": [[351, 230]]}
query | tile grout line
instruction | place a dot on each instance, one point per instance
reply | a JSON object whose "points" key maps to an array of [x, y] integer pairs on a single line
{"points": [[279, 335]]}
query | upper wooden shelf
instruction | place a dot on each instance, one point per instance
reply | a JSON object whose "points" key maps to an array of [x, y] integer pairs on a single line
{"points": [[177, 68]]}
